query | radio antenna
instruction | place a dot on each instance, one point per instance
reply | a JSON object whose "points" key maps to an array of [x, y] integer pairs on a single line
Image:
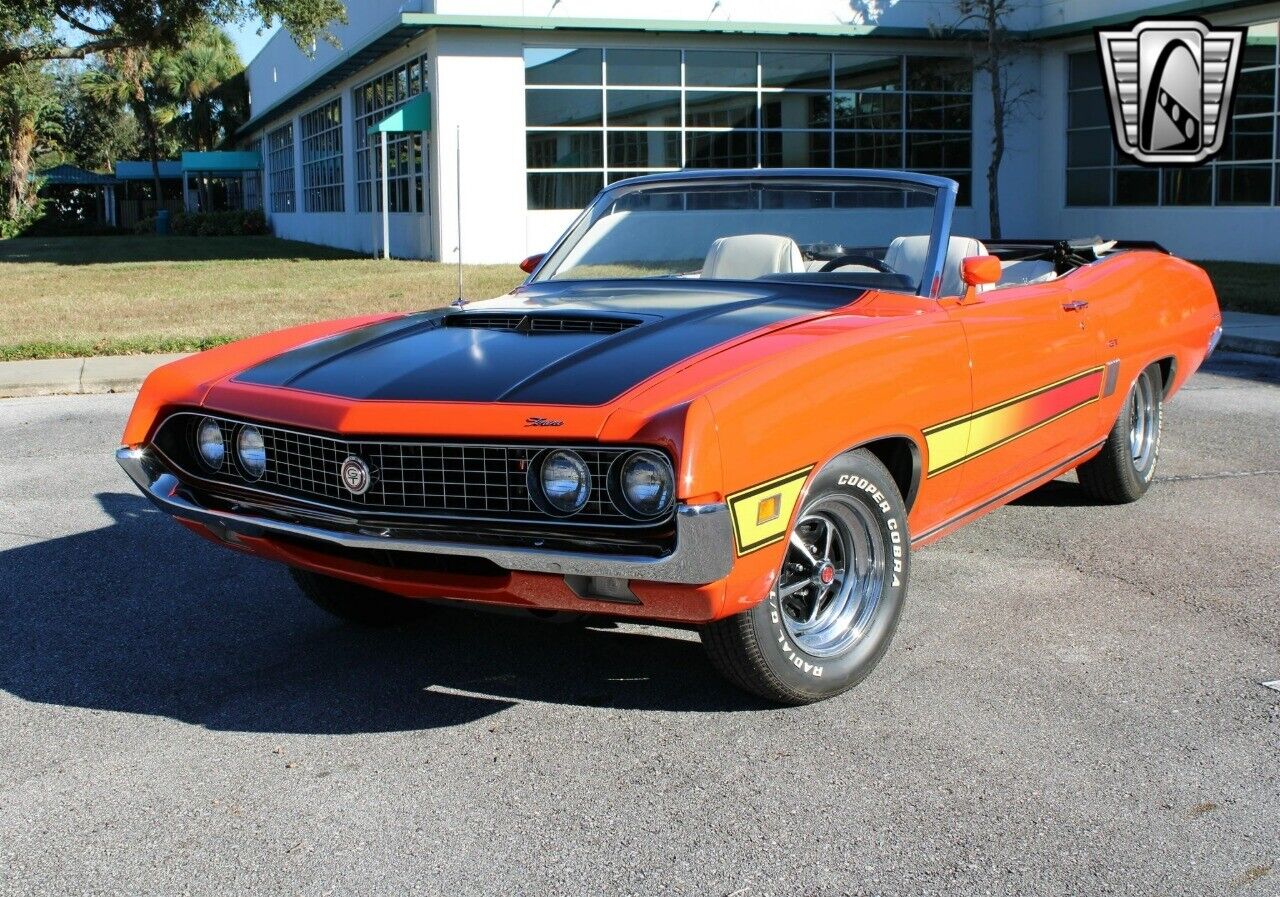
{"points": [[458, 181]]}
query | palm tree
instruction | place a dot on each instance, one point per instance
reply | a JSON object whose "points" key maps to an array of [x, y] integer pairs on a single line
{"points": [[207, 62], [148, 82], [29, 108]]}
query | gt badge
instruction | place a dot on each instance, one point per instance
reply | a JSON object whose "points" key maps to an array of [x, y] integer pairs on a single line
{"points": [[1170, 83], [356, 476]]}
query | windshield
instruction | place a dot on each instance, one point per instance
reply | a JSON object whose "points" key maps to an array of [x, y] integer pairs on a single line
{"points": [[869, 232]]}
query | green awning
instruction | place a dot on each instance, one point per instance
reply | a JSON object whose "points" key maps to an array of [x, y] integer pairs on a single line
{"points": [[414, 115], [244, 160]]}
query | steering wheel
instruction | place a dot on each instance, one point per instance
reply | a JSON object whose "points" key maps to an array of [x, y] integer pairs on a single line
{"points": [[856, 259]]}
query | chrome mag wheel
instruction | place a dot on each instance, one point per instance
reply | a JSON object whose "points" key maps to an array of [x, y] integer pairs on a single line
{"points": [[832, 577], [1143, 421]]}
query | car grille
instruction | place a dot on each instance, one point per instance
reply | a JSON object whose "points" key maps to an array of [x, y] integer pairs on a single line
{"points": [[432, 478]]}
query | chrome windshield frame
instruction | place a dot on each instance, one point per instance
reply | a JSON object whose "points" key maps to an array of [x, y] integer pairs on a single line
{"points": [[945, 190]]}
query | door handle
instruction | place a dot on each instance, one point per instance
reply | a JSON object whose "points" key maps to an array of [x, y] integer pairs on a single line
{"points": [[1075, 305]]}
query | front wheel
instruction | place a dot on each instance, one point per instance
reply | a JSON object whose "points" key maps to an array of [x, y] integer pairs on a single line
{"points": [[837, 597], [1123, 470]]}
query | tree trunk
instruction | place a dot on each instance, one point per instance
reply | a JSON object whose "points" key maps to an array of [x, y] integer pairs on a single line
{"points": [[18, 186], [153, 152], [995, 67], [997, 154]]}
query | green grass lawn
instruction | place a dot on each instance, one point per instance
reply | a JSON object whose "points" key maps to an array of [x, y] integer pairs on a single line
{"points": [[74, 296], [1246, 286]]}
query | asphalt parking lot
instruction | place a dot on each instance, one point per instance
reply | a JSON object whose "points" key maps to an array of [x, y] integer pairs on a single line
{"points": [[1073, 706]]}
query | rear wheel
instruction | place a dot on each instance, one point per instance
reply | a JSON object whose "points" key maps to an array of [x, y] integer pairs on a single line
{"points": [[1123, 470], [837, 597], [355, 603]]}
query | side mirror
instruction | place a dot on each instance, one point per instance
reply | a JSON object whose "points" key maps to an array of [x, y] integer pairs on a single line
{"points": [[980, 270], [531, 262]]}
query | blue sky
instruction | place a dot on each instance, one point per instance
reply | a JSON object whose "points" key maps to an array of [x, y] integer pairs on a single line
{"points": [[249, 43]]}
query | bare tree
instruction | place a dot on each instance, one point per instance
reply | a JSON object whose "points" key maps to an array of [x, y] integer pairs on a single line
{"points": [[984, 23]]}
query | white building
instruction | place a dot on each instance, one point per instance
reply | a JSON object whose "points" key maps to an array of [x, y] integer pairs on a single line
{"points": [[551, 99]]}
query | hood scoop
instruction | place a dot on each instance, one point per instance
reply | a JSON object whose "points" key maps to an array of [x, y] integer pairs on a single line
{"points": [[542, 322]]}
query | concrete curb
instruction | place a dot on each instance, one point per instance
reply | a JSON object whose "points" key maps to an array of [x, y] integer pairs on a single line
{"points": [[72, 376], [1244, 332]]}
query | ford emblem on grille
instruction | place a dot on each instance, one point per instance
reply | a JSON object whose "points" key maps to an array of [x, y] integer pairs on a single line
{"points": [[356, 476]]}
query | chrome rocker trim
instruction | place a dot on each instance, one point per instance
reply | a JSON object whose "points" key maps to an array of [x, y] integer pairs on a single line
{"points": [[703, 552]]}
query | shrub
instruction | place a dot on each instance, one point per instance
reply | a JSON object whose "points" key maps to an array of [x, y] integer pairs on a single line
{"points": [[13, 227], [248, 223]]}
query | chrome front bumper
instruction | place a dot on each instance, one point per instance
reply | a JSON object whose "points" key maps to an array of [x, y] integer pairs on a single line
{"points": [[703, 552]]}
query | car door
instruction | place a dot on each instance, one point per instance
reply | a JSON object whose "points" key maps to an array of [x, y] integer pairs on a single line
{"points": [[1036, 375]]}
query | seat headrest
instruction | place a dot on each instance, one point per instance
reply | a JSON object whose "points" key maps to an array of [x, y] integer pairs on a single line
{"points": [[906, 255], [749, 256]]}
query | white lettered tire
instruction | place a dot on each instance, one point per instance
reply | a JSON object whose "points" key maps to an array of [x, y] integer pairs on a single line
{"points": [[836, 601]]}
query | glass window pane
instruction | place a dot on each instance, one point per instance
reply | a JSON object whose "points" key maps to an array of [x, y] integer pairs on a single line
{"points": [[869, 149], [939, 73], [1089, 187], [795, 199], [800, 71], [965, 180], [563, 108], [796, 110], [797, 149], [1083, 71], [644, 108], [1087, 109], [937, 151], [543, 66], [868, 109], [722, 199], [563, 191], [719, 68], [644, 68], [1088, 148], [858, 72], [708, 109], [723, 149], [1244, 185], [644, 149], [563, 149], [1137, 187], [1249, 138], [938, 111], [1255, 92], [1188, 186], [1260, 46]]}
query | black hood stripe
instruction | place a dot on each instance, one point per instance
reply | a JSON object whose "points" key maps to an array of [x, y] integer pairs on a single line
{"points": [[416, 359]]}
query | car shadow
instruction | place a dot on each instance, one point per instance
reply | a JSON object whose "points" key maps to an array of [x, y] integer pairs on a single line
{"points": [[1242, 366], [142, 616], [150, 248], [1055, 494]]}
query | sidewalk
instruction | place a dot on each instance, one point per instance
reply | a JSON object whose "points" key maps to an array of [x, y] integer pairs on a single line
{"points": [[1258, 334], [60, 376]]}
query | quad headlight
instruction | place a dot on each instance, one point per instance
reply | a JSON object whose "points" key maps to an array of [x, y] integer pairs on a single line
{"points": [[565, 481], [252, 451], [210, 444], [646, 483]]}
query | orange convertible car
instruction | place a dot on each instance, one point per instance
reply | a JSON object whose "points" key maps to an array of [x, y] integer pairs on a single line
{"points": [[734, 400]]}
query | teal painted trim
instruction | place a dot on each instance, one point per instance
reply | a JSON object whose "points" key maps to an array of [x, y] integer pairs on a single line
{"points": [[413, 116], [241, 160]]}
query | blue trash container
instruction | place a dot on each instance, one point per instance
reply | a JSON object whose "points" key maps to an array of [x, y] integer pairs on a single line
{"points": [[162, 223]]}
